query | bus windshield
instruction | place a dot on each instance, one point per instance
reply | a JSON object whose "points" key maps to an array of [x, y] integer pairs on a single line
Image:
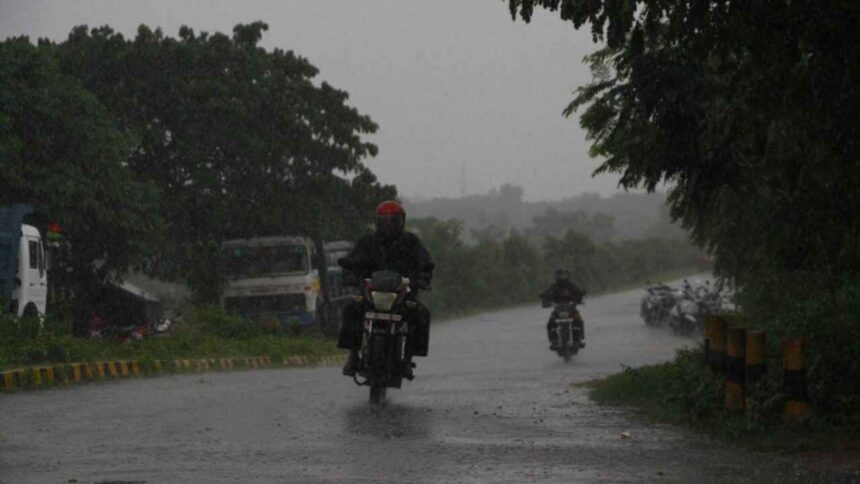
{"points": [[258, 261]]}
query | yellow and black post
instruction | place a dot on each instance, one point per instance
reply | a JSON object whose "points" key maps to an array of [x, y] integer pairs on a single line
{"points": [[756, 354], [715, 343], [735, 368], [794, 367]]}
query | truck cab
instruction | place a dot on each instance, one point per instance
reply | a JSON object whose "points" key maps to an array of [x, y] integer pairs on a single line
{"points": [[271, 277], [30, 297], [23, 265]]}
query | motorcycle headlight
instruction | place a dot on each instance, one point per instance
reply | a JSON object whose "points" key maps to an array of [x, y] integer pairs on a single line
{"points": [[383, 301]]}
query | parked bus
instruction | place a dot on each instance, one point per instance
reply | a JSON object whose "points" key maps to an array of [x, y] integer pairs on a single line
{"points": [[271, 277]]}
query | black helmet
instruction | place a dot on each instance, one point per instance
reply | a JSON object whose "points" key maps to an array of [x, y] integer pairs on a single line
{"points": [[562, 275], [390, 219]]}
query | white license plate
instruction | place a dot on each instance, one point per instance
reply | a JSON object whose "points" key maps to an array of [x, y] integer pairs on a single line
{"points": [[566, 320], [383, 316], [564, 315]]}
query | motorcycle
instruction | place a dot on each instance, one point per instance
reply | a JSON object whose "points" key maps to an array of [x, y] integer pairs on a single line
{"points": [[568, 328], [657, 304], [101, 331], [686, 317], [695, 303], [383, 358]]}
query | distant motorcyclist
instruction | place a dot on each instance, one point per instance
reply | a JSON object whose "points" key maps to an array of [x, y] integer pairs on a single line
{"points": [[562, 290], [394, 249]]}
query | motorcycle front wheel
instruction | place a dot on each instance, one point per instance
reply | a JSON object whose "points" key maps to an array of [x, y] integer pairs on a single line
{"points": [[566, 354], [378, 357], [377, 393]]}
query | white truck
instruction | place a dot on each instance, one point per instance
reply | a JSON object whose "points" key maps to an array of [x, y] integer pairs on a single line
{"points": [[271, 277], [23, 264]]}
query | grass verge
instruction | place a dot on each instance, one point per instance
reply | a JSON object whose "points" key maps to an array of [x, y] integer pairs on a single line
{"points": [[205, 333], [683, 392]]}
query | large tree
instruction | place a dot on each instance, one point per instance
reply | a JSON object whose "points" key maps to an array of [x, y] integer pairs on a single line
{"points": [[748, 110], [242, 141], [60, 152]]}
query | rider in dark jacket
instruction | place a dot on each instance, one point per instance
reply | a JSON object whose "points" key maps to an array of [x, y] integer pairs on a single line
{"points": [[389, 248], [562, 290]]}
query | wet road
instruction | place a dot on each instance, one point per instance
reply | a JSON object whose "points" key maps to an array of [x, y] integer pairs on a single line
{"points": [[490, 404]]}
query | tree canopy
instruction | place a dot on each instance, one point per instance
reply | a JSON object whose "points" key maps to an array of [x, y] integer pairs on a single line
{"points": [[152, 150], [747, 109], [61, 152], [241, 141]]}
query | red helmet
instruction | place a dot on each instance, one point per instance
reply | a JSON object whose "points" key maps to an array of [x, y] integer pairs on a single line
{"points": [[390, 218]]}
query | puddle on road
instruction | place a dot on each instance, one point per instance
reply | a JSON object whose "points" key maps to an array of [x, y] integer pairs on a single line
{"points": [[390, 421]]}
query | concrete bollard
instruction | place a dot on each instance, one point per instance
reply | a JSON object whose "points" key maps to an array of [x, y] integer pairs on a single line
{"points": [[794, 368], [735, 352], [715, 343], [756, 357]]}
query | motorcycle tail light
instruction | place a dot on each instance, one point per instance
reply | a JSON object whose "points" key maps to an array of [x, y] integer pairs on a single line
{"points": [[383, 301]]}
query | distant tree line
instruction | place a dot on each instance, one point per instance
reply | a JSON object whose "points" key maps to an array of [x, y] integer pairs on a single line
{"points": [[493, 214], [515, 269], [150, 150]]}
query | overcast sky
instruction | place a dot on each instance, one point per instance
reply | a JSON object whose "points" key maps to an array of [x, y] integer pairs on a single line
{"points": [[454, 85]]}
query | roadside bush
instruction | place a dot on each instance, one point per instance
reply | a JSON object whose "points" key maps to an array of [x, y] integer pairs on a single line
{"points": [[213, 320], [678, 390], [830, 327], [684, 391]]}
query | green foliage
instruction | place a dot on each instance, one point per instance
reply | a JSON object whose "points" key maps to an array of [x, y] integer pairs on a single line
{"points": [[205, 332], [513, 270], [679, 390], [150, 151], [213, 320], [748, 122], [830, 330], [240, 140], [61, 152], [753, 124], [599, 226]]}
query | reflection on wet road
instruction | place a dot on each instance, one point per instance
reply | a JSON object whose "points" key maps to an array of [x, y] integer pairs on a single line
{"points": [[490, 404]]}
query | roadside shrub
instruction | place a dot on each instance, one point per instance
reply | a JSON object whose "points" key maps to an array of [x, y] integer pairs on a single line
{"points": [[680, 389], [830, 327], [684, 391], [215, 321]]}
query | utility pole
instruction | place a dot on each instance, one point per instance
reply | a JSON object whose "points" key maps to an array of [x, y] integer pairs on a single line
{"points": [[462, 180]]}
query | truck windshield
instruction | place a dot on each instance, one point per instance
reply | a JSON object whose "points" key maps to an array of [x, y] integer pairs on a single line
{"points": [[265, 260]]}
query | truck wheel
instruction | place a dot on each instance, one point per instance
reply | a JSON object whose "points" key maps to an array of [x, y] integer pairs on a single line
{"points": [[30, 311], [32, 319]]}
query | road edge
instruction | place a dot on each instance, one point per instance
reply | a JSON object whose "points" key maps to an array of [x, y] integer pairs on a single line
{"points": [[66, 374]]}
